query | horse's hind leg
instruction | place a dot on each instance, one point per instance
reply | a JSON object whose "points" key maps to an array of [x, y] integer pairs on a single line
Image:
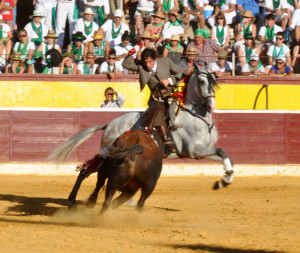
{"points": [[83, 174]]}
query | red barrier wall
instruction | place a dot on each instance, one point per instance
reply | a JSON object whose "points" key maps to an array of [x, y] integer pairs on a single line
{"points": [[249, 138]]}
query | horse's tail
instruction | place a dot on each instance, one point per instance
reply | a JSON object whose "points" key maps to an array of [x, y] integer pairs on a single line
{"points": [[63, 151], [125, 153]]}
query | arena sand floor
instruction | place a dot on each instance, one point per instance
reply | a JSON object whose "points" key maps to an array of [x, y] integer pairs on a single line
{"points": [[184, 214]]}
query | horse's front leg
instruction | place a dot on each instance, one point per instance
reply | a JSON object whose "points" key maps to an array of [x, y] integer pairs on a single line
{"points": [[219, 154], [83, 174]]}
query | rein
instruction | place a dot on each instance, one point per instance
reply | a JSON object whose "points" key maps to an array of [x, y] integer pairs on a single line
{"points": [[203, 102]]}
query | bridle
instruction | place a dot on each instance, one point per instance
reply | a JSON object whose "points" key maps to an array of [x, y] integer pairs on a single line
{"points": [[203, 100]]}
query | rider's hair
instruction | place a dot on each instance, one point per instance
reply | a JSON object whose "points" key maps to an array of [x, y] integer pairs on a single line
{"points": [[149, 52]]}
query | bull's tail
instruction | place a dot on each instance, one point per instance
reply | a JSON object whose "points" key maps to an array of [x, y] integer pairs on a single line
{"points": [[63, 151]]}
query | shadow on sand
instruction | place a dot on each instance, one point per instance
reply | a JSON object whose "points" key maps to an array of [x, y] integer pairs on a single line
{"points": [[218, 249], [34, 205]]}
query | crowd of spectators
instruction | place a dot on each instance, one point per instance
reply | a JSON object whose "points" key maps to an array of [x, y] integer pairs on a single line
{"points": [[262, 35]]}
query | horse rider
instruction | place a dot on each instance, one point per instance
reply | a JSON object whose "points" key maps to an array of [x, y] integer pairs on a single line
{"points": [[159, 74]]}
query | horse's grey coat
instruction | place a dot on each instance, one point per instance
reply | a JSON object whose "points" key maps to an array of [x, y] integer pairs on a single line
{"points": [[195, 140]]}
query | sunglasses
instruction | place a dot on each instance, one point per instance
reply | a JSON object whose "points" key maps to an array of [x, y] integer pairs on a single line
{"points": [[79, 40], [220, 18], [97, 40], [22, 35], [108, 94], [279, 38], [111, 58]]}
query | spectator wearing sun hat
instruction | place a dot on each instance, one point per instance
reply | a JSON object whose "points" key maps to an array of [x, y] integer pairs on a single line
{"points": [[99, 47], [86, 25], [254, 67], [66, 10], [36, 29], [221, 67], [100, 7], [113, 29], [188, 63], [46, 7], [175, 25], [17, 65], [49, 44], [173, 49], [77, 49], [280, 69], [5, 37], [156, 27]]}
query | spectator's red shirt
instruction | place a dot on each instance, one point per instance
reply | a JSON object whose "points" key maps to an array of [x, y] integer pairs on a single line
{"points": [[8, 14]]}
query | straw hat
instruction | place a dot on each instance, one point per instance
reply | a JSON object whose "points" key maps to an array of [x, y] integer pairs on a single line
{"points": [[191, 51], [175, 37], [17, 56], [147, 35], [36, 13], [51, 34], [159, 14], [88, 11], [222, 54], [249, 14], [98, 35]]}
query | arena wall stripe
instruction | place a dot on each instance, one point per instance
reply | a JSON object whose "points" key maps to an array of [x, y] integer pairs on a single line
{"points": [[249, 137], [74, 91]]}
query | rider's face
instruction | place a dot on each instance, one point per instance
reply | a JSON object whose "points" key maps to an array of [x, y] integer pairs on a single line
{"points": [[149, 63]]}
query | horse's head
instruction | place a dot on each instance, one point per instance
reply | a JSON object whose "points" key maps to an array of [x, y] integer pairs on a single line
{"points": [[201, 87]]}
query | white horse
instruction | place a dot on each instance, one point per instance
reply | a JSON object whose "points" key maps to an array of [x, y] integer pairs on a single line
{"points": [[195, 139]]}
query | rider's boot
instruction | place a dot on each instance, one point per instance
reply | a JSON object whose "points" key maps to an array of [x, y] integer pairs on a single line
{"points": [[169, 145]]}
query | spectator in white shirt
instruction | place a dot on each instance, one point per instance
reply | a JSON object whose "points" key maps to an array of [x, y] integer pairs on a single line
{"points": [[86, 25], [46, 7], [109, 101], [114, 29], [254, 67], [222, 67], [110, 67], [36, 30], [101, 8], [175, 25]]}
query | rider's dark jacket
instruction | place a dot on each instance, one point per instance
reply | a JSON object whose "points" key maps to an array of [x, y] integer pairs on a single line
{"points": [[157, 104]]}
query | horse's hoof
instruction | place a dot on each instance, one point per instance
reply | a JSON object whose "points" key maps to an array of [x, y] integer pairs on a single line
{"points": [[90, 203], [72, 205], [218, 185]]}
